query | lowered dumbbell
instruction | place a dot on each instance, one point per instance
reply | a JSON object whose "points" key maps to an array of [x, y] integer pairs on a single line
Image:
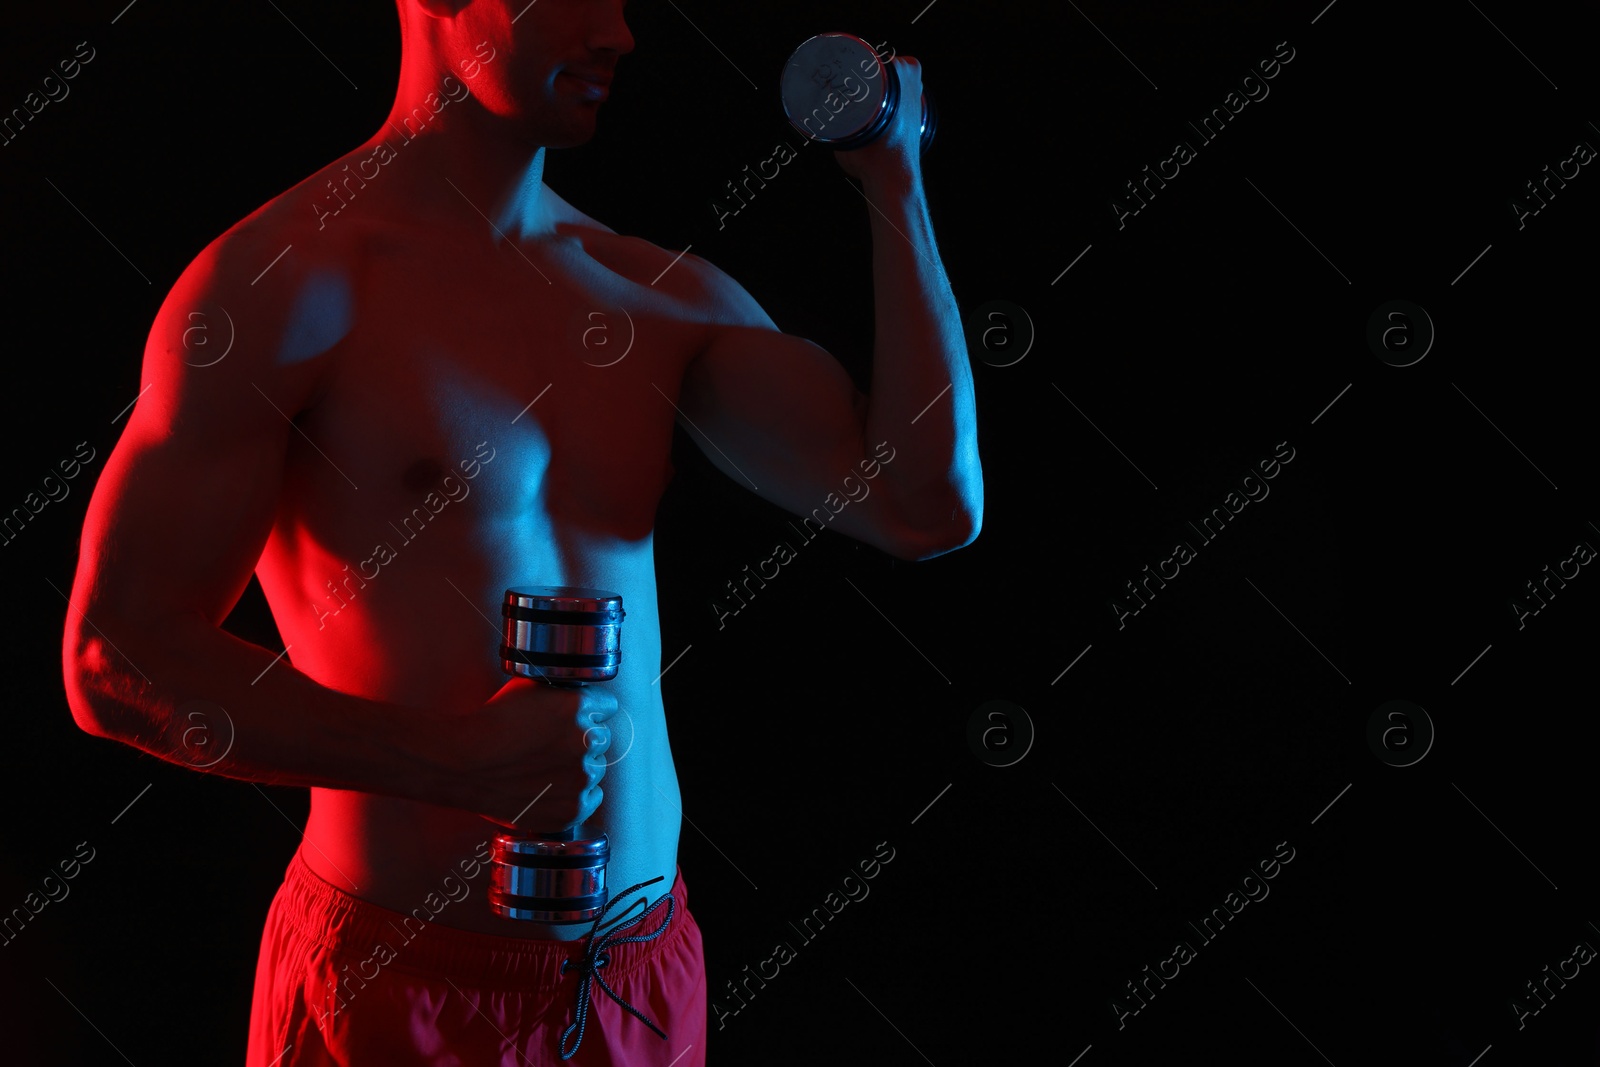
{"points": [[563, 636], [838, 92]]}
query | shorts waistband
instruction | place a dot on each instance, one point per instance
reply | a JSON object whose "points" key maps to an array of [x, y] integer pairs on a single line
{"points": [[328, 916]]}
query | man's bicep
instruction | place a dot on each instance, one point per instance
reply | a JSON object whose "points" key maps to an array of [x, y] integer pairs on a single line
{"points": [[769, 409], [776, 408], [177, 522], [187, 499]]}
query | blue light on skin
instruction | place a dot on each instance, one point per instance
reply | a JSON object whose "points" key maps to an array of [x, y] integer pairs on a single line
{"points": [[321, 317]]}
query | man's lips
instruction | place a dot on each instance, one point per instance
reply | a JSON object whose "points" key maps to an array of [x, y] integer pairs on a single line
{"points": [[594, 86]]}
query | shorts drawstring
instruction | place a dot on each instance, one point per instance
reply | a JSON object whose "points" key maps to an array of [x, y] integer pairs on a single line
{"points": [[596, 957]]}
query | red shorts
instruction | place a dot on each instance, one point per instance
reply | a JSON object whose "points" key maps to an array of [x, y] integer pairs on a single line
{"points": [[339, 983]]}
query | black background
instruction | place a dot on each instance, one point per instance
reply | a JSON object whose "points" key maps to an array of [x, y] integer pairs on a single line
{"points": [[1219, 722]]}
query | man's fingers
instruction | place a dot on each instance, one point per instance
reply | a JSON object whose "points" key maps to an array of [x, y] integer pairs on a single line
{"points": [[600, 706]]}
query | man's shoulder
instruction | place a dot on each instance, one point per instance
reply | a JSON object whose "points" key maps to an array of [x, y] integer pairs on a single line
{"points": [[259, 294], [281, 236], [265, 270], [724, 301], [678, 272]]}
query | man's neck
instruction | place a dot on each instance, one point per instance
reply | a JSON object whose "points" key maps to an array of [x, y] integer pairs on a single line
{"points": [[469, 165]]}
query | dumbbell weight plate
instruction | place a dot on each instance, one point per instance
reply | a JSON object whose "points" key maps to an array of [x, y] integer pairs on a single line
{"points": [[561, 634], [837, 92]]}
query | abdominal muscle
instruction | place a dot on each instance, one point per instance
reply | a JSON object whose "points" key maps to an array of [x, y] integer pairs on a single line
{"points": [[428, 861]]}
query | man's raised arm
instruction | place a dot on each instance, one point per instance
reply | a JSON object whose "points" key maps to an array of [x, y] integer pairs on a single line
{"points": [[921, 375], [778, 413]]}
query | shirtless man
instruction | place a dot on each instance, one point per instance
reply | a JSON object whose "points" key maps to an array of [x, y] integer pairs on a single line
{"points": [[408, 422]]}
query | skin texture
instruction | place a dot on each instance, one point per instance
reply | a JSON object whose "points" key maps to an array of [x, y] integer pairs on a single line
{"points": [[414, 413]]}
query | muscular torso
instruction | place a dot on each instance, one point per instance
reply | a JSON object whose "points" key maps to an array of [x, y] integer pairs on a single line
{"points": [[423, 485]]}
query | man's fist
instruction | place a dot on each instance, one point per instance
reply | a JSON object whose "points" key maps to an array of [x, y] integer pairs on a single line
{"points": [[896, 153], [532, 757]]}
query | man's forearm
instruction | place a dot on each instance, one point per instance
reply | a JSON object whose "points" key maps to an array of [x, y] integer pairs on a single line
{"points": [[199, 697], [921, 400]]}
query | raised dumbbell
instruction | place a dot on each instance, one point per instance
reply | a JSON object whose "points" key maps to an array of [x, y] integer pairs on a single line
{"points": [[837, 91]]}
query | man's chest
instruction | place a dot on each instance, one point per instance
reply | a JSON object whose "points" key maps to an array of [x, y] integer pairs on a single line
{"points": [[563, 367]]}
